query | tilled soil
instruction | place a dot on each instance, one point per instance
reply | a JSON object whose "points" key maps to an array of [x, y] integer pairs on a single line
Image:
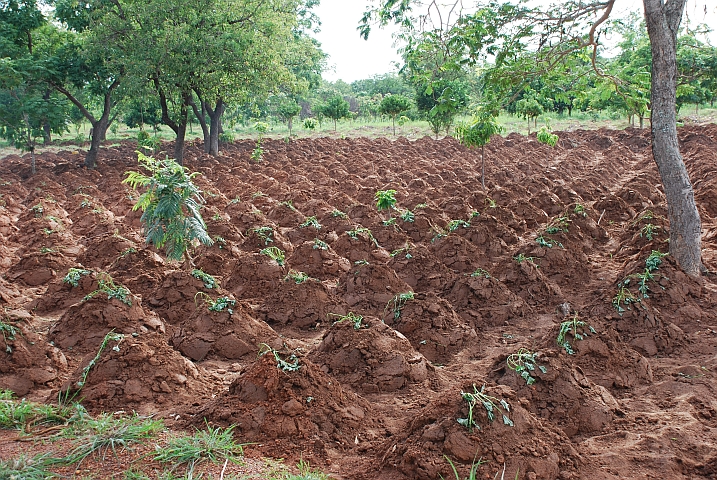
{"points": [[635, 398]]}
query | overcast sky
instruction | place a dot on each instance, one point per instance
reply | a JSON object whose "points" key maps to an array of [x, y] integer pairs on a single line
{"points": [[352, 58]]}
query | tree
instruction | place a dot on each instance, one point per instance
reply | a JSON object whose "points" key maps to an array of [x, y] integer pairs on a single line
{"points": [[287, 109], [335, 108], [170, 207], [504, 30], [477, 133], [393, 106]]}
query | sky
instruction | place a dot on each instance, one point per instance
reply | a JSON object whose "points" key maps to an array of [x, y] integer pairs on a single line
{"points": [[352, 58]]}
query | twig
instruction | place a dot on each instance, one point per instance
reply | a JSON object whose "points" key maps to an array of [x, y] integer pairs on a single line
{"points": [[221, 476], [601, 215]]}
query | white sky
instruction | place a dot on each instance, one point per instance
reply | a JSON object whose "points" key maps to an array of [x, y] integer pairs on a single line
{"points": [[352, 58]]}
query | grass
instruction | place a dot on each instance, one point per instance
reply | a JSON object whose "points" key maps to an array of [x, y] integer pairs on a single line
{"points": [[26, 416], [25, 467], [213, 445]]}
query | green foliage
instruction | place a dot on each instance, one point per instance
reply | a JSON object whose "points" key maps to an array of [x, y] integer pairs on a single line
{"points": [[393, 106], [218, 305], [624, 297], [407, 216], [8, 333], [577, 328], [523, 363], [320, 245], [473, 474], [489, 403], [289, 365], [385, 200], [171, 205], [454, 225], [74, 275], [405, 250], [296, 276], [265, 233], [147, 142], [335, 108], [649, 231], [208, 280], [478, 131], [363, 232], [275, 253], [396, 304], [106, 285], [311, 222], [338, 214], [479, 272], [25, 467], [311, 123], [213, 445], [546, 137], [354, 318], [521, 257]]}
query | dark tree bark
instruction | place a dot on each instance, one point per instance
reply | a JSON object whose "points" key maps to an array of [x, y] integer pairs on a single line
{"points": [[663, 20], [99, 126], [202, 118], [215, 125], [179, 127]]}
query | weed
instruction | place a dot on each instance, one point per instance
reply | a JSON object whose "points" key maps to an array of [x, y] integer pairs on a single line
{"points": [[217, 217], [491, 203], [320, 245], [363, 232], [208, 280], [296, 276], [264, 233], [649, 231], [351, 317], [108, 433], [404, 250], [390, 222], [74, 275], [439, 234], [8, 333], [421, 205], [479, 272], [407, 216], [338, 214], [311, 222], [305, 473], [453, 225], [289, 365], [524, 362], [275, 253], [258, 194], [397, 303], [234, 200], [212, 445], [107, 286], [28, 468], [489, 403], [22, 414], [654, 261], [572, 326]]}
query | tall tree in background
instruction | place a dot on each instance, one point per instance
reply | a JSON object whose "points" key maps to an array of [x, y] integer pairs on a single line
{"points": [[506, 30]]}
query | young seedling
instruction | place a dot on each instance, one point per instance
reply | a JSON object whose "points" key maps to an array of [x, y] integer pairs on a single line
{"points": [[320, 245], [547, 242], [107, 286], [454, 225], [623, 299], [407, 216], [208, 280], [338, 214], [439, 234], [311, 222], [404, 250], [523, 363], [397, 303], [8, 333], [488, 402], [546, 137], [289, 365], [275, 253], [649, 231], [363, 232], [296, 276], [479, 272], [218, 305], [571, 327], [290, 205], [558, 225], [264, 233], [351, 317], [74, 275], [385, 200], [580, 210]]}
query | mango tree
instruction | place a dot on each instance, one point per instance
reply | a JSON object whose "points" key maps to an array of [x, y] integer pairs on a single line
{"points": [[477, 133], [393, 106]]}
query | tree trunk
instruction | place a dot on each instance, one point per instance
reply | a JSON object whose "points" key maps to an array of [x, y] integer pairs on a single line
{"points": [[201, 117], [394, 125], [215, 116], [663, 21], [291, 123], [179, 128], [46, 128], [482, 171]]}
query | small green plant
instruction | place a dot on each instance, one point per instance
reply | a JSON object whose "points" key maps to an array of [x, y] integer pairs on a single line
{"points": [[362, 232], [407, 216], [454, 225], [521, 257], [580, 210], [547, 137], [37, 210], [491, 203], [213, 445], [296, 276], [385, 200], [649, 231], [208, 280], [623, 299], [45, 250], [275, 253], [290, 205], [338, 214], [226, 137], [403, 250], [74, 275], [257, 155], [421, 205], [106, 285], [391, 222], [489, 403], [479, 272], [351, 317], [523, 363], [289, 365], [170, 207], [146, 142], [547, 242], [264, 233], [8, 333], [439, 233], [654, 261], [577, 328], [473, 474], [25, 467], [558, 225], [311, 123], [311, 222], [218, 305], [234, 200], [320, 245], [396, 304]]}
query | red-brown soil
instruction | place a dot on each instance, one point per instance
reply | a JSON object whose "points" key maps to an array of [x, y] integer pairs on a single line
{"points": [[637, 399]]}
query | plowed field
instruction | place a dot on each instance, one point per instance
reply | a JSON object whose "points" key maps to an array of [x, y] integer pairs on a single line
{"points": [[446, 296]]}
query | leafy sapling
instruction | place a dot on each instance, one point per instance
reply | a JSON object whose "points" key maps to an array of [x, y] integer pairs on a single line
{"points": [[311, 222], [291, 364], [386, 200], [208, 280], [396, 304], [524, 362], [275, 253], [74, 275], [577, 328], [491, 405], [477, 133], [546, 137]]}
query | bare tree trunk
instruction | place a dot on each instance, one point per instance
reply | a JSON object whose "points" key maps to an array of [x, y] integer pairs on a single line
{"points": [[201, 117], [482, 160], [178, 127], [215, 124], [663, 21]]}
